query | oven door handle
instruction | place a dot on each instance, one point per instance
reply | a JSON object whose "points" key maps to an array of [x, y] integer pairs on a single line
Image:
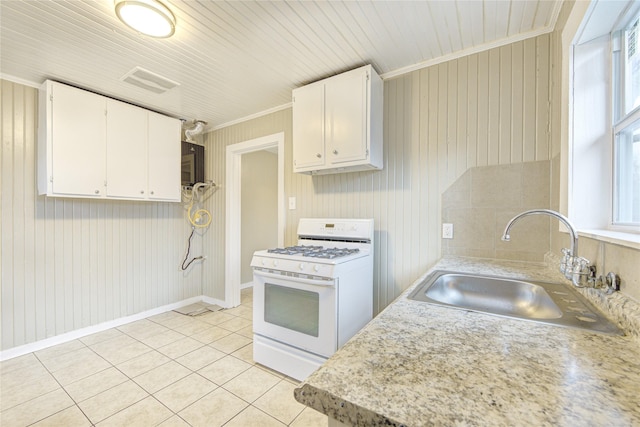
{"points": [[305, 280]]}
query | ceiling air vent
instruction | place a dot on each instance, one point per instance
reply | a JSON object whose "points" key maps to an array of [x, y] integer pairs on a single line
{"points": [[147, 80]]}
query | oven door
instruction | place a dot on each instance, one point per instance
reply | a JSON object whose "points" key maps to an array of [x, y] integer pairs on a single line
{"points": [[297, 311]]}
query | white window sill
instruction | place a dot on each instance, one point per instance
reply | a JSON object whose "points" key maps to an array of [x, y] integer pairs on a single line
{"points": [[628, 240]]}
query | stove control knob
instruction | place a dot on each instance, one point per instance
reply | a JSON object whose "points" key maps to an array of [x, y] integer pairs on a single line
{"points": [[264, 262], [275, 263], [316, 268], [301, 266]]}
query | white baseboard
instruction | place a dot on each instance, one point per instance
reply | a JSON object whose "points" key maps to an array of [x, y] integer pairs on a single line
{"points": [[83, 332], [214, 301], [246, 285]]}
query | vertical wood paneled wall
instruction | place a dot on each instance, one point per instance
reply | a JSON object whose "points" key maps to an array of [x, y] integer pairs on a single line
{"points": [[216, 151], [485, 109], [73, 263]]}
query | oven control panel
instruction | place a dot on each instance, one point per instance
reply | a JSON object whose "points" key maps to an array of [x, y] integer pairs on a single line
{"points": [[359, 229], [293, 266]]}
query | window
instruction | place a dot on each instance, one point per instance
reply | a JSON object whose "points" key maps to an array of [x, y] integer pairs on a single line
{"points": [[626, 184], [631, 66], [601, 173], [626, 146]]}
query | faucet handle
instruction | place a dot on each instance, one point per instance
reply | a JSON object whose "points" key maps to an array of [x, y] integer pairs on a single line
{"points": [[566, 264], [582, 272], [613, 282], [582, 262], [609, 283]]}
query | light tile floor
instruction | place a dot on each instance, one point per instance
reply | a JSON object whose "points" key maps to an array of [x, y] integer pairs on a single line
{"points": [[167, 370]]}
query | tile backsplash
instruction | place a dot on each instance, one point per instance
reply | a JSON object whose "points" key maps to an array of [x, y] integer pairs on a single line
{"points": [[481, 202]]}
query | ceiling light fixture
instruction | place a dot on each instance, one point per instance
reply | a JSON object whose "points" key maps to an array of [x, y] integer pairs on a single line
{"points": [[148, 17]]}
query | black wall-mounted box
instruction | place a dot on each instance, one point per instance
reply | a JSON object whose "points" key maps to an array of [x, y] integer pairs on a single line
{"points": [[192, 163]]}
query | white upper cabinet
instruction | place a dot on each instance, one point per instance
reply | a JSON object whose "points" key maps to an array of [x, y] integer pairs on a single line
{"points": [[337, 124], [126, 150], [164, 157], [346, 118], [77, 165], [93, 146], [308, 126]]}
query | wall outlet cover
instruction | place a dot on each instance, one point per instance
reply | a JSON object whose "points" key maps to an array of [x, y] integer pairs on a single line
{"points": [[447, 231]]}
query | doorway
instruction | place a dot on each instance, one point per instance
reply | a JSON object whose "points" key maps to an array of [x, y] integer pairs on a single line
{"points": [[233, 229]]}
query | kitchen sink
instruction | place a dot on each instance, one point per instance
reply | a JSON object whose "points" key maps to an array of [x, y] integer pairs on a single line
{"points": [[551, 303]]}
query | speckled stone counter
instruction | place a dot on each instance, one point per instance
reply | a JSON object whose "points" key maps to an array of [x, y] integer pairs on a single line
{"points": [[418, 364]]}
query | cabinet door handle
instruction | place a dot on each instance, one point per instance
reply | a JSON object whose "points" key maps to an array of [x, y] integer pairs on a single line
{"points": [[141, 191], [318, 155], [335, 152], [152, 193], [97, 191]]}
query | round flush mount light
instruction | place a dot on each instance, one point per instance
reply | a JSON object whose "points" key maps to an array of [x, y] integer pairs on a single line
{"points": [[148, 17]]}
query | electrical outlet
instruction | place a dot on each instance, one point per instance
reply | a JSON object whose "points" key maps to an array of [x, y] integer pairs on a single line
{"points": [[292, 203], [447, 231]]}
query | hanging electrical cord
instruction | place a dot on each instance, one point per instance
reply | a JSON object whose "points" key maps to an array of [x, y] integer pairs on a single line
{"points": [[199, 192], [200, 217], [186, 257], [195, 196]]}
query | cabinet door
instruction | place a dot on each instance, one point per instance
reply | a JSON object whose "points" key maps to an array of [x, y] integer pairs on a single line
{"points": [[308, 127], [126, 150], [346, 117], [77, 142], [164, 157]]}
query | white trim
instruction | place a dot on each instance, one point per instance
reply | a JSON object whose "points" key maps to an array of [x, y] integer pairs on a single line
{"points": [[232, 209], [250, 117], [248, 284], [627, 120], [19, 80], [588, 162], [472, 50], [619, 238], [572, 27], [83, 332], [213, 301]]}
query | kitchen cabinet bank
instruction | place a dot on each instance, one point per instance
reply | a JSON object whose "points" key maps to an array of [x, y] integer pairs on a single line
{"points": [[92, 146], [337, 123], [418, 364]]}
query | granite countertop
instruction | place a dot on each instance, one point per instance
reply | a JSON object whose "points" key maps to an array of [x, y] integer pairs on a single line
{"points": [[419, 364]]}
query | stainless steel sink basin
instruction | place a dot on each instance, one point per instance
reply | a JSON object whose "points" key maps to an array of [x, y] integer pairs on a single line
{"points": [[551, 303]]}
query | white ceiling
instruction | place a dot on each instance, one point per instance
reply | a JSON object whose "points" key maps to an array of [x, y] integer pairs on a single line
{"points": [[237, 59]]}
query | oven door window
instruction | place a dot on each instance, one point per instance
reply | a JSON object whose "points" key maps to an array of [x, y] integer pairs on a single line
{"points": [[293, 309]]}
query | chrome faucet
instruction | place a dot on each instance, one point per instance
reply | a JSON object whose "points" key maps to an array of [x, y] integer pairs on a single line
{"points": [[577, 269]]}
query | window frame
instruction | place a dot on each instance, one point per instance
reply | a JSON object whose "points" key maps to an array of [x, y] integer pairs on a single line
{"points": [[621, 120], [586, 135]]}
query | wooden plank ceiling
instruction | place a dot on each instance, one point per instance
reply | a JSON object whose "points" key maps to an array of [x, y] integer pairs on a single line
{"points": [[235, 59]]}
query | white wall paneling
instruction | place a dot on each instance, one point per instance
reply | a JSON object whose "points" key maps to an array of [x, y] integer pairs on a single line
{"points": [[69, 264], [489, 108]]}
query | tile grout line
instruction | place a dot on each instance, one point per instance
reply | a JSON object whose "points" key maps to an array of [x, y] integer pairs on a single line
{"points": [[127, 332], [64, 390]]}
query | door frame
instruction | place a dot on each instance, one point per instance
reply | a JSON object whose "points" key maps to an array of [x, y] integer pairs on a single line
{"points": [[232, 210]]}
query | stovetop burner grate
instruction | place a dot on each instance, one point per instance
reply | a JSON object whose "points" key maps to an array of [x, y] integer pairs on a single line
{"points": [[314, 251]]}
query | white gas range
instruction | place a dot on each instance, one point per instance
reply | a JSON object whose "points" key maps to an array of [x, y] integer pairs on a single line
{"points": [[311, 298]]}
